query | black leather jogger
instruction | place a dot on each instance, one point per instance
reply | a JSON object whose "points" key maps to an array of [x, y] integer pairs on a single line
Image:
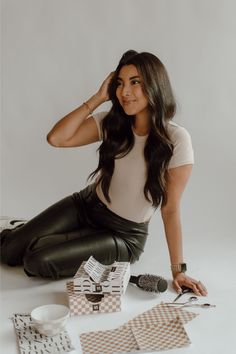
{"points": [[55, 242]]}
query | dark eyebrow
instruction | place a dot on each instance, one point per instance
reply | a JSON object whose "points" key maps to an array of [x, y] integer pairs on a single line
{"points": [[131, 78]]}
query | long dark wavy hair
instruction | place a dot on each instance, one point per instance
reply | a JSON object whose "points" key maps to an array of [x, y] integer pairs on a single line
{"points": [[118, 137]]}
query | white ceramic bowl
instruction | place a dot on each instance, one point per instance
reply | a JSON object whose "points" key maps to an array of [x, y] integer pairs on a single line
{"points": [[50, 319]]}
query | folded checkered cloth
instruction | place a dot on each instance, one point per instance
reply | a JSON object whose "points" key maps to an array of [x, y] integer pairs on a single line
{"points": [[160, 328]]}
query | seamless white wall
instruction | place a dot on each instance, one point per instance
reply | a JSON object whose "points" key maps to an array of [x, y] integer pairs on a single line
{"points": [[55, 55]]}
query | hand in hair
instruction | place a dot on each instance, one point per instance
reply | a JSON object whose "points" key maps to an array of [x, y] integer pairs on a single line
{"points": [[103, 90]]}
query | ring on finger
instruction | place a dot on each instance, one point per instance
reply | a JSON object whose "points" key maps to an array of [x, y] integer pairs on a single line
{"points": [[200, 283]]}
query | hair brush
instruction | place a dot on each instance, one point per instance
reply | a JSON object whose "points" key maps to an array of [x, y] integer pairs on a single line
{"points": [[149, 282]]}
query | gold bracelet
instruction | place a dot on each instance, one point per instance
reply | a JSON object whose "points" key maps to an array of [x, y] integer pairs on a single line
{"points": [[88, 108]]}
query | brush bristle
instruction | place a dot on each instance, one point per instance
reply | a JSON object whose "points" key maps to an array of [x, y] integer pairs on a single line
{"points": [[152, 283]]}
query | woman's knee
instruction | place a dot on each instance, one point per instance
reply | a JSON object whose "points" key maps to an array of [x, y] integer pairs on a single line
{"points": [[10, 254], [39, 264]]}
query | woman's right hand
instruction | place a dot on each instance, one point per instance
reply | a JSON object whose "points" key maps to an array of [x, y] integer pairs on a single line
{"points": [[103, 90]]}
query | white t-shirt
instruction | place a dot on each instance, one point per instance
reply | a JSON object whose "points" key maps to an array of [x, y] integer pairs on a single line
{"points": [[129, 176]]}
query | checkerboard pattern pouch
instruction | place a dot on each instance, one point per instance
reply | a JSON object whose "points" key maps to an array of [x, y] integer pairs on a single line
{"points": [[162, 336], [161, 313], [81, 304], [128, 339], [107, 342], [160, 328]]}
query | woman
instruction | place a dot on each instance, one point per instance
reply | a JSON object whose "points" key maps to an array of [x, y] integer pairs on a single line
{"points": [[145, 162]]}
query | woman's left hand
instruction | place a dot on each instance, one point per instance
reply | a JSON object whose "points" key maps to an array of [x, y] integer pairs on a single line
{"points": [[181, 279]]}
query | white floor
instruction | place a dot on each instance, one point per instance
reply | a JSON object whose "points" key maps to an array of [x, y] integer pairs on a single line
{"points": [[213, 331]]}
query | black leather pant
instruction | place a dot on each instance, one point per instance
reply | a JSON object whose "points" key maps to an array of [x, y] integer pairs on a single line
{"points": [[55, 242]]}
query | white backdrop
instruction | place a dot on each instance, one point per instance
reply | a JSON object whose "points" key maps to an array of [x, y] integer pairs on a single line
{"points": [[55, 55]]}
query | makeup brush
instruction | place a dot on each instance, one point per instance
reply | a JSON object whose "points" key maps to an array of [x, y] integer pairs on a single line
{"points": [[149, 282]]}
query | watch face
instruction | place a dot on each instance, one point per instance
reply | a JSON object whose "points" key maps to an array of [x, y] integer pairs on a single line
{"points": [[183, 267]]}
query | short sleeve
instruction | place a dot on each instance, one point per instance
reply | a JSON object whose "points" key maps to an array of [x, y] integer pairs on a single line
{"points": [[183, 151], [98, 117]]}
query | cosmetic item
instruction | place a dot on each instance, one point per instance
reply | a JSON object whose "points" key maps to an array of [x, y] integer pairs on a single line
{"points": [[83, 304], [93, 277], [98, 288], [149, 282], [185, 290]]}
